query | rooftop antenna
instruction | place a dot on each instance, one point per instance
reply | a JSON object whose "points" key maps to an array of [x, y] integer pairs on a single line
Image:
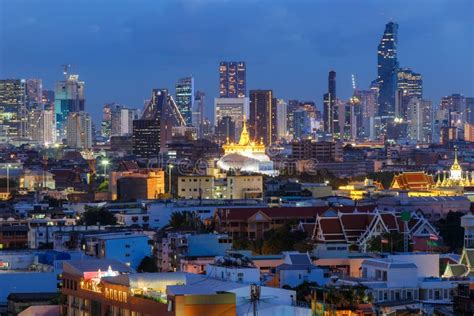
{"points": [[354, 87], [66, 69]]}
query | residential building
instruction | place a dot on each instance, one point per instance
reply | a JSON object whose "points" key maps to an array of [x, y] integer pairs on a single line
{"points": [[146, 137], [34, 93], [39, 126], [307, 149], [225, 130], [296, 269], [281, 114], [79, 130], [232, 79], [198, 112]]}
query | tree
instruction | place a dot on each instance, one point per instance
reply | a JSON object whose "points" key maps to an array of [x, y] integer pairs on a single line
{"points": [[103, 187], [147, 264], [384, 177], [451, 231], [94, 215], [394, 242], [182, 219]]}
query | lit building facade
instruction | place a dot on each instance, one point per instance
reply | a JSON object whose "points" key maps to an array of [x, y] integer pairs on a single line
{"points": [[262, 116], [232, 79], [185, 98], [34, 93], [79, 130], [146, 137], [235, 108], [282, 118], [12, 108], [39, 126], [69, 97]]}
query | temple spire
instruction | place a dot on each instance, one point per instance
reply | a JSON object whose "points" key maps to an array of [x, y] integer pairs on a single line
{"points": [[244, 136]]}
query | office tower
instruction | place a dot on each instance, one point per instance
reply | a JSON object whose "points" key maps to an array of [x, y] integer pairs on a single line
{"points": [[470, 111], [387, 70], [235, 108], [198, 112], [40, 122], [410, 85], [367, 100], [146, 138], [34, 93], [12, 109], [121, 119], [48, 100], [281, 114], [105, 126], [69, 98], [262, 118], [330, 113], [419, 120], [207, 129], [185, 98], [79, 130], [344, 115], [232, 79], [162, 107], [302, 124], [225, 130], [293, 105]]}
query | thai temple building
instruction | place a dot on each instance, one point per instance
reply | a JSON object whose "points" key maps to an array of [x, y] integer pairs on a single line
{"points": [[246, 156], [446, 183]]}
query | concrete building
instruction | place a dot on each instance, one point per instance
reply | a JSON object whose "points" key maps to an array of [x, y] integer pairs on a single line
{"points": [[235, 108], [138, 184], [298, 268], [79, 130], [230, 187]]}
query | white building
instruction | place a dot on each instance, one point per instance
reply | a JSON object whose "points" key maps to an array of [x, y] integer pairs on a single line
{"points": [[298, 268], [40, 129], [79, 130], [282, 118], [236, 108], [233, 268]]}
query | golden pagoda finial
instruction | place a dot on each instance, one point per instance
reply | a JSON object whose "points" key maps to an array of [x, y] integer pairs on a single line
{"points": [[244, 136]]}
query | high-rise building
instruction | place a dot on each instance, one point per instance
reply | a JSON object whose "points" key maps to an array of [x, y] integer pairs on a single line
{"points": [[185, 98], [48, 100], [293, 105], [34, 93], [419, 121], [146, 138], [12, 109], [330, 112], [367, 100], [281, 118], [387, 71], [69, 98], [410, 85], [79, 130], [198, 112], [225, 130], [232, 79], [262, 118], [105, 126], [40, 122], [235, 108], [302, 124]]}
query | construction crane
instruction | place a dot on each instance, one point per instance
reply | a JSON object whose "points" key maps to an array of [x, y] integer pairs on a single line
{"points": [[66, 69]]}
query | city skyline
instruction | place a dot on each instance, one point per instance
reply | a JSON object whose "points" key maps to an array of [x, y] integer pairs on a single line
{"points": [[111, 55]]}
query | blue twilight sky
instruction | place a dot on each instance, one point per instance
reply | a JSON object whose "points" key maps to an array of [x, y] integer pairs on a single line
{"points": [[123, 49]]}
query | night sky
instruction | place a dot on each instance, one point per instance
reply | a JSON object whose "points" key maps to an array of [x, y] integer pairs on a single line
{"points": [[123, 49]]}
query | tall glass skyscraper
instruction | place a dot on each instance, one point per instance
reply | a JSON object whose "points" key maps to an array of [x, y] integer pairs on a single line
{"points": [[185, 98], [232, 79], [12, 108], [387, 69], [68, 98], [330, 113]]}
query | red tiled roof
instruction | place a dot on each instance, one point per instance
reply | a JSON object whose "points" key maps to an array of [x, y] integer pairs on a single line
{"points": [[390, 220], [242, 214], [308, 228], [330, 225], [413, 180], [356, 221]]}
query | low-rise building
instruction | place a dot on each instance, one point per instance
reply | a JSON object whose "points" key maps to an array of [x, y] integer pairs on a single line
{"points": [[296, 269], [137, 184]]}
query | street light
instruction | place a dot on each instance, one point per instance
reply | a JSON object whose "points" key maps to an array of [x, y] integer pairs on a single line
{"points": [[170, 166], [105, 163]]}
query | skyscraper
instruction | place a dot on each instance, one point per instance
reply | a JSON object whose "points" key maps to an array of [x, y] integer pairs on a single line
{"points": [[225, 130], [12, 108], [185, 98], [409, 85], [281, 114], [34, 93], [420, 120], [146, 138], [330, 113], [198, 111], [40, 122], [232, 79], [105, 126], [387, 71], [262, 120], [69, 98], [48, 100], [79, 130], [235, 108]]}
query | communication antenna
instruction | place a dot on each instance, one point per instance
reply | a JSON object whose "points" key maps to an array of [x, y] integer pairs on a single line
{"points": [[354, 86]]}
